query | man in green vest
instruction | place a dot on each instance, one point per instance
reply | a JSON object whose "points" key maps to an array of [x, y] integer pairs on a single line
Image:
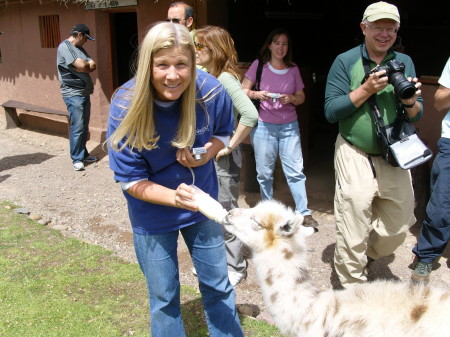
{"points": [[374, 201]]}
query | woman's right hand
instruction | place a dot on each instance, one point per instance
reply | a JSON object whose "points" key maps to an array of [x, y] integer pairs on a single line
{"points": [[184, 198], [261, 95]]}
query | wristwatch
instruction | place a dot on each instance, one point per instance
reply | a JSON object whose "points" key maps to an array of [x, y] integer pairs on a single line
{"points": [[409, 106], [228, 147]]}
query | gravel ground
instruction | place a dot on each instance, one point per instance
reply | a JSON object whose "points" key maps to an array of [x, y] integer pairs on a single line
{"points": [[36, 173]]}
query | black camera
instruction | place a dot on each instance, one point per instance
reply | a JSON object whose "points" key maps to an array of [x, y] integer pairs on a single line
{"points": [[395, 72]]}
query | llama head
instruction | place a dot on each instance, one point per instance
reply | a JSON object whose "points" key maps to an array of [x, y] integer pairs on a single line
{"points": [[267, 225]]}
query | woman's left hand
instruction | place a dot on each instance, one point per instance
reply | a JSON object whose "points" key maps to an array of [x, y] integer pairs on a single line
{"points": [[224, 152], [184, 198], [287, 99]]}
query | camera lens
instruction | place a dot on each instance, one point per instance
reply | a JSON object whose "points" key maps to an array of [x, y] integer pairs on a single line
{"points": [[402, 87]]}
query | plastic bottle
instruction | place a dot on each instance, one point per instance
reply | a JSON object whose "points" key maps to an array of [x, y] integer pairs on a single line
{"points": [[207, 205]]}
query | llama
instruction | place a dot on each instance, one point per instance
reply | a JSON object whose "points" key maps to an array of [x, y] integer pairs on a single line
{"points": [[276, 237]]}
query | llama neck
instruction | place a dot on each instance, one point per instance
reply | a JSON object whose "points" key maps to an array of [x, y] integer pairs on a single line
{"points": [[287, 289]]}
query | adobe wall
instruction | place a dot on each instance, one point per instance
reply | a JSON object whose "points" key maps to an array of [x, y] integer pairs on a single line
{"points": [[28, 71]]}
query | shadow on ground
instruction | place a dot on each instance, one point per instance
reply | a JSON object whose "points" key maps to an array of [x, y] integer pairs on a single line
{"points": [[11, 162]]}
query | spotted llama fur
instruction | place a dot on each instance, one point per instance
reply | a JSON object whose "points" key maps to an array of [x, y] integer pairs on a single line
{"points": [[276, 237]]}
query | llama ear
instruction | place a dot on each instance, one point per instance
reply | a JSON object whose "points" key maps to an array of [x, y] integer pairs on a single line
{"points": [[290, 226], [287, 228]]}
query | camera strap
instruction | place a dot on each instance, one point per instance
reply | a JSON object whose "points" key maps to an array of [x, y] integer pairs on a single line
{"points": [[376, 114], [385, 137]]}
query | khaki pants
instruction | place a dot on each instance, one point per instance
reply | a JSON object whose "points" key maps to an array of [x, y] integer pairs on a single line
{"points": [[373, 206]]}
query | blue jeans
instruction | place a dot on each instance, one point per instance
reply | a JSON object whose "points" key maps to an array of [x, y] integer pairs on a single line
{"points": [[268, 141], [435, 231], [79, 108], [157, 257]]}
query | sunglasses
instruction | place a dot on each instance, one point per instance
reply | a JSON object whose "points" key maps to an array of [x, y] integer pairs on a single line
{"points": [[200, 46], [174, 20]]}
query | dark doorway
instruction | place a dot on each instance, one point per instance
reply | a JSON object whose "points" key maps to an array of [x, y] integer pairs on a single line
{"points": [[320, 30], [124, 44]]}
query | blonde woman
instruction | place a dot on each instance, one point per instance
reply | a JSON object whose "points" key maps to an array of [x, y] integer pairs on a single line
{"points": [[216, 52], [155, 120]]}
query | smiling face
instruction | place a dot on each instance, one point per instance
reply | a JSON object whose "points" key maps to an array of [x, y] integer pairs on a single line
{"points": [[279, 47], [379, 35], [171, 73]]}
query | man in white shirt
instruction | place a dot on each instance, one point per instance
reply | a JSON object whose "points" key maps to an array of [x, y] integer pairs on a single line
{"points": [[435, 232]]}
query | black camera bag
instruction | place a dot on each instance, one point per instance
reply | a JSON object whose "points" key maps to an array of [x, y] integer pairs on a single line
{"points": [[399, 143], [401, 129]]}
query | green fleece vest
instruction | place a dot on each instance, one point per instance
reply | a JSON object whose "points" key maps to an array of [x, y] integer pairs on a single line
{"points": [[355, 124]]}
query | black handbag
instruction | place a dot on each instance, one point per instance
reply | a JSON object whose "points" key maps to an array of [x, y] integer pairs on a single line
{"points": [[257, 102]]}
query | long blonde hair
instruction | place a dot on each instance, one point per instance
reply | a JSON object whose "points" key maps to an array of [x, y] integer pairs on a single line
{"points": [[223, 53], [138, 126]]}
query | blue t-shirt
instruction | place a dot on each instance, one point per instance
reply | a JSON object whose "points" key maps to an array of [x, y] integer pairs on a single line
{"points": [[214, 117]]}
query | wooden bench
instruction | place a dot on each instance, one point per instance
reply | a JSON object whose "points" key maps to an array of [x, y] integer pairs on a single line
{"points": [[12, 118]]}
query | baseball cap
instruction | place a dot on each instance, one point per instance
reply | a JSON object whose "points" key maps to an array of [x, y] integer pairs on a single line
{"points": [[381, 10], [82, 28]]}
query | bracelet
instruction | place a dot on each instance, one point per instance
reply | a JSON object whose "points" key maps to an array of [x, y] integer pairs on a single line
{"points": [[229, 148], [409, 106]]}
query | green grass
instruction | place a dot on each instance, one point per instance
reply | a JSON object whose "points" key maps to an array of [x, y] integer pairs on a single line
{"points": [[51, 285]]}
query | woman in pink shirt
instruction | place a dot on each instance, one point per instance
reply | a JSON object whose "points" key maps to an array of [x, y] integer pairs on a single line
{"points": [[277, 133]]}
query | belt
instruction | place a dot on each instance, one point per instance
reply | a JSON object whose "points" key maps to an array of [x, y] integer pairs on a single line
{"points": [[369, 154], [369, 157]]}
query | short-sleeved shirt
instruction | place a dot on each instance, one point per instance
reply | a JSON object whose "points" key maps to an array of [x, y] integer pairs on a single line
{"points": [[214, 116], [66, 55], [286, 81], [444, 80]]}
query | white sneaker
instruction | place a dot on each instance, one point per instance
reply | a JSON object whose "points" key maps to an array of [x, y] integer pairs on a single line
{"points": [[78, 166], [236, 277], [194, 271]]}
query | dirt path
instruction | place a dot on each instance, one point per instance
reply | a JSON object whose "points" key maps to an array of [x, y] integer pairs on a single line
{"points": [[36, 172]]}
